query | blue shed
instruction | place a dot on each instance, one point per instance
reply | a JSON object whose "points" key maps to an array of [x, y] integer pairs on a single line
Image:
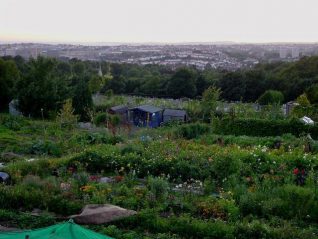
{"points": [[146, 116]]}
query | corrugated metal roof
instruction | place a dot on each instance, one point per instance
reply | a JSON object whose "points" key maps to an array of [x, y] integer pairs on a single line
{"points": [[175, 113], [119, 108], [148, 108]]}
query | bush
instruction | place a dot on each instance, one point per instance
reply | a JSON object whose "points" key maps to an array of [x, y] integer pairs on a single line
{"points": [[66, 116], [224, 167], [97, 138], [223, 209], [184, 225], [263, 128], [100, 119], [192, 131], [29, 196], [255, 229], [24, 220], [271, 97], [298, 202], [158, 187], [13, 122], [288, 201], [47, 147]]}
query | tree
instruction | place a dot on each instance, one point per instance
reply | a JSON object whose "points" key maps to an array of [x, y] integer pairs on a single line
{"points": [[182, 84], [40, 89], [302, 100], [255, 85], [210, 98], [233, 86], [82, 100], [78, 68], [271, 97], [304, 108], [152, 86], [206, 79], [96, 83], [9, 75], [117, 84], [66, 116], [312, 93]]}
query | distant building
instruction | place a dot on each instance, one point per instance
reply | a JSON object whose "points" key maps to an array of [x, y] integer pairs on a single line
{"points": [[295, 52], [283, 52], [174, 115], [121, 111]]}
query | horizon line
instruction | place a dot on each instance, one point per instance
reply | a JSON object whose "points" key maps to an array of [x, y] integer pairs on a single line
{"points": [[105, 43]]}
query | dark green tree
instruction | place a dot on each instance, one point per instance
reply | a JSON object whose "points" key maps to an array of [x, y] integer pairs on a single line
{"points": [[182, 84], [233, 86], [9, 75], [255, 85], [117, 84], [40, 89], [312, 94], [82, 100], [271, 97]]}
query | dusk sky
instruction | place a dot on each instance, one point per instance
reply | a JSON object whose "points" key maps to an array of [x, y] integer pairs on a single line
{"points": [[159, 20]]}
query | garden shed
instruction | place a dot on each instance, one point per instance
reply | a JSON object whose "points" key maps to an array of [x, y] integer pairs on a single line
{"points": [[174, 115], [146, 116], [121, 111]]}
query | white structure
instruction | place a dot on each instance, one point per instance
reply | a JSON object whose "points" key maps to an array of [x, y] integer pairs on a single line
{"points": [[100, 73], [13, 108], [307, 120], [295, 52]]}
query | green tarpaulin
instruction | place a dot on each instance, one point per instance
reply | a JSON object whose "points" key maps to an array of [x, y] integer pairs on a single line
{"points": [[67, 230]]}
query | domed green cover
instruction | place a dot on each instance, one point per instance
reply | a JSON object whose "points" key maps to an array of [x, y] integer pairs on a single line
{"points": [[67, 230]]}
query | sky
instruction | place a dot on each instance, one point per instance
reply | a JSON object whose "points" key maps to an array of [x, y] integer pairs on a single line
{"points": [[158, 21]]}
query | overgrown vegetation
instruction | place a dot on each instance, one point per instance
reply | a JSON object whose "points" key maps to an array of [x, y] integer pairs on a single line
{"points": [[184, 181], [233, 171]]}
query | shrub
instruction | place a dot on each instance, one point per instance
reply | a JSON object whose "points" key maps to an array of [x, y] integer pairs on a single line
{"points": [[262, 128], [270, 97], [47, 147], [225, 166], [223, 209], [29, 196], [25, 221], [254, 229], [298, 202], [100, 119], [62, 206], [191, 131], [97, 138], [13, 122], [184, 225], [159, 187], [312, 93], [66, 116]]}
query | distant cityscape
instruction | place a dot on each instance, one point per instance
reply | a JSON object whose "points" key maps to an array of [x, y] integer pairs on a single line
{"points": [[228, 56]]}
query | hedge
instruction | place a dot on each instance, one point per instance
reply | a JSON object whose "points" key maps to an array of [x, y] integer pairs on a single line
{"points": [[262, 128]]}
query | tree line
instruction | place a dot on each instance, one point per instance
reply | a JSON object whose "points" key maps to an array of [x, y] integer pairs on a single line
{"points": [[42, 85]]}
